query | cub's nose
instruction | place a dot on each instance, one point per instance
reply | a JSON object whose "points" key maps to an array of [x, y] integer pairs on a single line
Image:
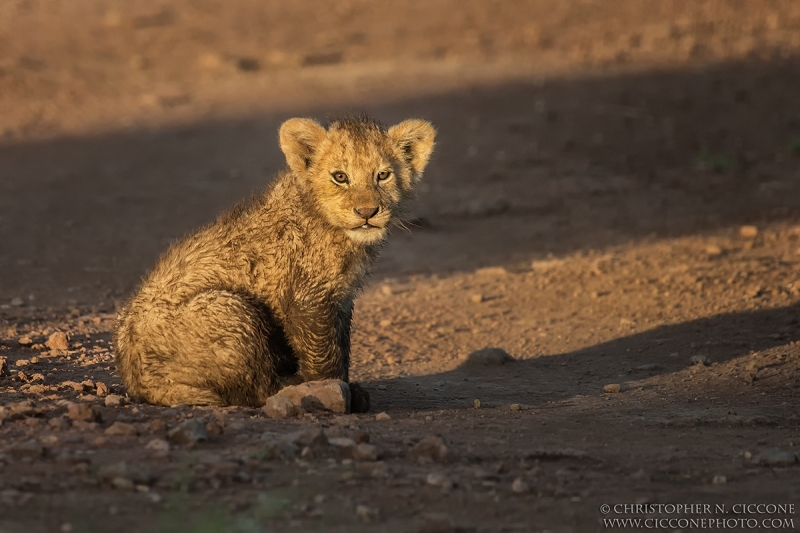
{"points": [[366, 212]]}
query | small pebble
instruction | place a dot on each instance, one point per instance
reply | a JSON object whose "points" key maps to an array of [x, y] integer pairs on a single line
{"points": [[612, 388], [101, 389], [25, 341], [719, 480], [437, 479], [189, 432], [58, 341], [748, 232], [114, 400], [122, 483], [158, 445], [121, 429], [515, 407], [430, 448], [476, 298], [519, 486], [365, 452], [476, 403], [383, 416], [365, 513], [83, 412]]}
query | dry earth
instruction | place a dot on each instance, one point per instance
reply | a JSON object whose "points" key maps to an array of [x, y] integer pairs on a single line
{"points": [[614, 193]]}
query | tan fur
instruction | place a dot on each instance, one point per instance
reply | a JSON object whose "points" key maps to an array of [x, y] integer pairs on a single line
{"points": [[264, 296]]}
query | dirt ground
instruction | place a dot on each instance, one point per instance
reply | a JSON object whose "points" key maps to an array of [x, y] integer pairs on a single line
{"points": [[613, 201]]}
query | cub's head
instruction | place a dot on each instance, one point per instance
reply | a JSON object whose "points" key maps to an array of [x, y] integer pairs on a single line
{"points": [[359, 173]]}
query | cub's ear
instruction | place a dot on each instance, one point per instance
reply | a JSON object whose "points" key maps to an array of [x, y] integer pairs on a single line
{"points": [[414, 138], [299, 139]]}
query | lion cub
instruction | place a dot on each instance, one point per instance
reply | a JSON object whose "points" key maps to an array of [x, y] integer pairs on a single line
{"points": [[263, 297]]}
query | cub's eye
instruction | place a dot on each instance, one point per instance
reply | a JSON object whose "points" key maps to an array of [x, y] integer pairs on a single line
{"points": [[339, 177], [384, 175]]}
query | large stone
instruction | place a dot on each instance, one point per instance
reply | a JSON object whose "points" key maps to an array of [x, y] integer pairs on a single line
{"points": [[326, 395], [279, 406]]}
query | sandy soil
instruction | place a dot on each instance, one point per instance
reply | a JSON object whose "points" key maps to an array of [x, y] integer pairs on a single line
{"points": [[614, 193]]}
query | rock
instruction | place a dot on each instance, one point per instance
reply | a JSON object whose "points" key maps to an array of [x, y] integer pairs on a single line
{"points": [[101, 389], [361, 437], [515, 407], [160, 446], [776, 457], [28, 448], [157, 424], [430, 448], [366, 514], [17, 301], [213, 428], [365, 452], [612, 388], [134, 473], [437, 523], [77, 387], [386, 290], [279, 406], [544, 265], [307, 438], [22, 363], [748, 232], [58, 341], [189, 432], [327, 395], [519, 486], [342, 442], [25, 341], [699, 360], [495, 272], [114, 400], [713, 250], [477, 298], [383, 416], [437, 479], [122, 428], [490, 357], [83, 412], [4, 371], [58, 423], [122, 483], [719, 480], [750, 377], [476, 403]]}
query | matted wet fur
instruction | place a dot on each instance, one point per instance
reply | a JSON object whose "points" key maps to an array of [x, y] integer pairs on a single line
{"points": [[263, 297]]}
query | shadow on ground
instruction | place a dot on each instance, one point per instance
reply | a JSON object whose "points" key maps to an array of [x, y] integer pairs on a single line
{"points": [[555, 377], [521, 170]]}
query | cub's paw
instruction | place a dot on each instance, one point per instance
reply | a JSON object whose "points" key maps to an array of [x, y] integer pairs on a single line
{"points": [[359, 399]]}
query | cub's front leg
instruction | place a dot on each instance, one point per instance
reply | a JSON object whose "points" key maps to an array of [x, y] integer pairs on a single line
{"points": [[320, 336]]}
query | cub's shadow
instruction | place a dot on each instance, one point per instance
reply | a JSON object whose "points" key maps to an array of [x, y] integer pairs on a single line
{"points": [[553, 377]]}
